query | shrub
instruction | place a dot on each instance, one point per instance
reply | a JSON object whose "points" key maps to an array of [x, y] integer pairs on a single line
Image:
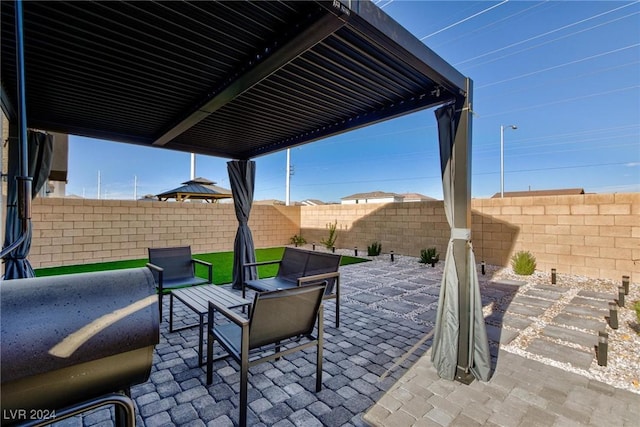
{"points": [[636, 307], [297, 240], [523, 263], [374, 249], [429, 256], [330, 241]]}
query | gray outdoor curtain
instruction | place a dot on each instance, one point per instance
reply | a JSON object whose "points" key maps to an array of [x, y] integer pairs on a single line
{"points": [[40, 154], [242, 176], [444, 352]]}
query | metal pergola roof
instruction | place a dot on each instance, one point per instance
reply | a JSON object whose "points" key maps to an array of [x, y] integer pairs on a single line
{"points": [[229, 79]]}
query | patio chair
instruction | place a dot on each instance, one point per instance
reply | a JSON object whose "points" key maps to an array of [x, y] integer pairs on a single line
{"points": [[279, 319], [175, 268], [301, 267]]}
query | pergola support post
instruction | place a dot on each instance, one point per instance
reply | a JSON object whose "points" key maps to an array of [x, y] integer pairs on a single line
{"points": [[461, 158]]}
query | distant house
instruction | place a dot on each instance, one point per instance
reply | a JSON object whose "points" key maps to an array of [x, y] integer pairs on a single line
{"points": [[415, 197], [148, 198], [312, 202], [372, 197], [531, 193], [272, 202]]}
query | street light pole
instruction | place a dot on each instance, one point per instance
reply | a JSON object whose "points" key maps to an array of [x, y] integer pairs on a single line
{"points": [[288, 179], [514, 127]]}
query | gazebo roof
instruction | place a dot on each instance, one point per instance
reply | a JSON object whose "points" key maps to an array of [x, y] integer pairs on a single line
{"points": [[196, 189], [229, 79]]}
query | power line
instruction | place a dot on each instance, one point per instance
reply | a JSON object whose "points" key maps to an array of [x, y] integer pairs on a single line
{"points": [[551, 41], [465, 19], [598, 165], [506, 18], [515, 146], [438, 176], [543, 34], [539, 153], [518, 142], [571, 78], [532, 73], [577, 98]]}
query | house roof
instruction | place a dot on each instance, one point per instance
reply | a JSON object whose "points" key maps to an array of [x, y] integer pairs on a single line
{"points": [[530, 193], [196, 189], [416, 196], [229, 79], [312, 202], [274, 202], [371, 195]]}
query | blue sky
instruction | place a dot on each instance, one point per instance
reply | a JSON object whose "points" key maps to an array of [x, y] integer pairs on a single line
{"points": [[567, 73]]}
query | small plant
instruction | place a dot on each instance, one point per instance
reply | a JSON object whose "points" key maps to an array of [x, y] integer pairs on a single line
{"points": [[429, 256], [523, 263], [374, 249], [297, 240], [636, 307], [330, 241]]}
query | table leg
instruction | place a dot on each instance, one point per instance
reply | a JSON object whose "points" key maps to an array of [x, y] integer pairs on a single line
{"points": [[200, 340], [171, 312]]}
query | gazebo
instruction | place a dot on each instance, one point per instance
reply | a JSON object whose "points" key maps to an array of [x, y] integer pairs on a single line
{"points": [[240, 80], [196, 189]]}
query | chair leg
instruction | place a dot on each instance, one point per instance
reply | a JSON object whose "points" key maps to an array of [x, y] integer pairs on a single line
{"points": [[244, 379], [319, 350], [209, 359], [338, 302], [170, 313], [244, 374], [200, 338]]}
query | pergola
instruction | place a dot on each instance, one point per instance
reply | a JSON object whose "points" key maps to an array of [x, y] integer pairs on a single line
{"points": [[196, 189], [240, 80]]}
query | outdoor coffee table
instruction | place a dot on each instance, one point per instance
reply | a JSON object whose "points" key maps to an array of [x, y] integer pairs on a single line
{"points": [[197, 299]]}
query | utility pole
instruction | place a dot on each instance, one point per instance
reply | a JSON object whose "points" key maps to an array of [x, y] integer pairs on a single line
{"points": [[135, 187], [288, 178], [99, 183], [193, 166]]}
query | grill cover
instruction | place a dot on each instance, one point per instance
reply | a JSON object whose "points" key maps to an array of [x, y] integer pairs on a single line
{"points": [[67, 339]]}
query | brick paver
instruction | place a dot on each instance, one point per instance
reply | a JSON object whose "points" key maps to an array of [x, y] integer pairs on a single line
{"points": [[374, 373]]}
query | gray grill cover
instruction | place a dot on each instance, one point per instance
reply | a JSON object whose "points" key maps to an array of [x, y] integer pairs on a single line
{"points": [[66, 339]]}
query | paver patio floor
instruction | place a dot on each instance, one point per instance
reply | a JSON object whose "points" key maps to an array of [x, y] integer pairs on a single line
{"points": [[388, 311]]}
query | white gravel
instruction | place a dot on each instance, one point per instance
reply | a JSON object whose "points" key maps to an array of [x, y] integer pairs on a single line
{"points": [[623, 356], [623, 361]]}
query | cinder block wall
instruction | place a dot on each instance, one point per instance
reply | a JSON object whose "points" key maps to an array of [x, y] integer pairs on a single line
{"points": [[81, 231], [595, 235], [404, 228]]}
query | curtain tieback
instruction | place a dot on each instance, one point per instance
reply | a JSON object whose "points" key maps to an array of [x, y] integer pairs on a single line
{"points": [[460, 234]]}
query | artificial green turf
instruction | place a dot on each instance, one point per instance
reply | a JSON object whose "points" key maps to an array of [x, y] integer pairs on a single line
{"points": [[222, 265]]}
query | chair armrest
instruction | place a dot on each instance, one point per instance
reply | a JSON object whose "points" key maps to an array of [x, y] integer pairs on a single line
{"points": [[318, 277], [234, 317], [160, 271], [257, 264], [206, 264], [201, 262], [155, 267]]}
